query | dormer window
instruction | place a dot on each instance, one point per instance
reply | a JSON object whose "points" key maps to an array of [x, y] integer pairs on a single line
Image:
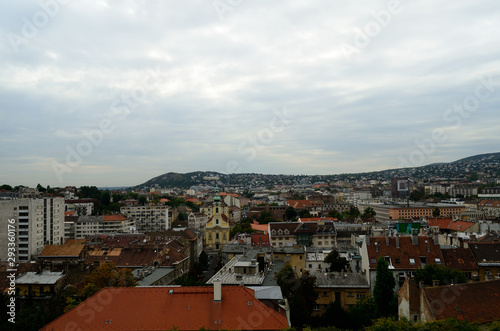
{"points": [[286, 231], [412, 261], [280, 231], [273, 232]]}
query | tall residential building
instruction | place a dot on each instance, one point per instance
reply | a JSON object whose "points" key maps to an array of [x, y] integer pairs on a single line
{"points": [[148, 218], [38, 221]]}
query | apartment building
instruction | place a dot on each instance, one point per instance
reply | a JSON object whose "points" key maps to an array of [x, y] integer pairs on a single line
{"points": [[148, 218], [107, 224], [37, 222]]}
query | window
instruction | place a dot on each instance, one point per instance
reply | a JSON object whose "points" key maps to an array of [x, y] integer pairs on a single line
{"points": [[423, 260], [373, 261], [398, 260], [360, 296], [412, 261], [310, 266], [438, 260]]}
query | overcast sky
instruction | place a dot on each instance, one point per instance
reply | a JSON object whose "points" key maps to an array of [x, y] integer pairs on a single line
{"points": [[112, 93]]}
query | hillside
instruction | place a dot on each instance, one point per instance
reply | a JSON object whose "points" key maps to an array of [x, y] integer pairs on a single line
{"points": [[487, 165]]}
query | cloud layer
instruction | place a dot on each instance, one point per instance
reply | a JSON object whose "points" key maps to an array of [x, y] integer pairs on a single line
{"points": [[295, 87]]}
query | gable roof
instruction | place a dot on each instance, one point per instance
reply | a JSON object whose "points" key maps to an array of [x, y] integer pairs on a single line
{"points": [[72, 247], [485, 252], [407, 254], [459, 258], [163, 308], [471, 301], [449, 224]]}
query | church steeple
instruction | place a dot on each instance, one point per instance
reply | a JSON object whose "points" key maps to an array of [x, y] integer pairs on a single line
{"points": [[216, 197]]}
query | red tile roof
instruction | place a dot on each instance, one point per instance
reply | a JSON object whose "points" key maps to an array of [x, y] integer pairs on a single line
{"points": [[449, 224], [111, 218], [165, 308], [459, 258], [260, 240], [260, 227], [408, 255], [316, 219], [471, 301]]}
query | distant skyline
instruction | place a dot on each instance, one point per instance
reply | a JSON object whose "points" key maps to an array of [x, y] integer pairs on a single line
{"points": [[113, 93]]}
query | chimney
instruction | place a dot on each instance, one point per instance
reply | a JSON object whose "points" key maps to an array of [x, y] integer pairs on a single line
{"points": [[218, 290], [387, 237], [397, 240], [367, 238], [414, 237], [436, 237]]}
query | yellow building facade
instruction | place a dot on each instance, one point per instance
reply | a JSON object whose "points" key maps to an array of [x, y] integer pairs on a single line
{"points": [[218, 227]]}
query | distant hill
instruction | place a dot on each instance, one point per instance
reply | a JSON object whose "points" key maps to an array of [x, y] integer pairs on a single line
{"points": [[487, 164]]}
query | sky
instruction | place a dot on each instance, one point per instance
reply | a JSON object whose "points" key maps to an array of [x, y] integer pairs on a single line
{"points": [[113, 93]]}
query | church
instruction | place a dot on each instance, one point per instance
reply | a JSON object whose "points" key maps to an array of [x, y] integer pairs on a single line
{"points": [[218, 226]]}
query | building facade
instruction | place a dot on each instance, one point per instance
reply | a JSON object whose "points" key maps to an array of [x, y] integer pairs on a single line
{"points": [[218, 227], [148, 218], [37, 222]]}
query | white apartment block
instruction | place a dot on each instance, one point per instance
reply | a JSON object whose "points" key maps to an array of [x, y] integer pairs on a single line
{"points": [[107, 224], [38, 221], [148, 218], [81, 207], [197, 221]]}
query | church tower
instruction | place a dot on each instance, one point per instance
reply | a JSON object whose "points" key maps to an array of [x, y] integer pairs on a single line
{"points": [[218, 227]]}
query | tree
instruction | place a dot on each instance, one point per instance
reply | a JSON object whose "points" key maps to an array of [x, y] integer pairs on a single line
{"points": [[336, 262], [105, 198], [287, 281], [383, 291], [290, 213], [369, 212], [142, 200], [106, 275], [304, 213], [182, 216], [303, 300], [40, 188], [335, 214], [436, 212], [6, 187], [445, 275]]}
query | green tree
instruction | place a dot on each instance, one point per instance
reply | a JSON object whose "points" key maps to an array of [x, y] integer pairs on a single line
{"points": [[337, 263], [303, 300], [335, 214], [442, 273], [353, 212], [182, 216], [383, 292], [290, 213], [6, 187], [304, 213], [89, 192], [142, 200], [287, 281], [436, 212], [106, 275], [105, 198], [40, 188], [369, 212]]}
